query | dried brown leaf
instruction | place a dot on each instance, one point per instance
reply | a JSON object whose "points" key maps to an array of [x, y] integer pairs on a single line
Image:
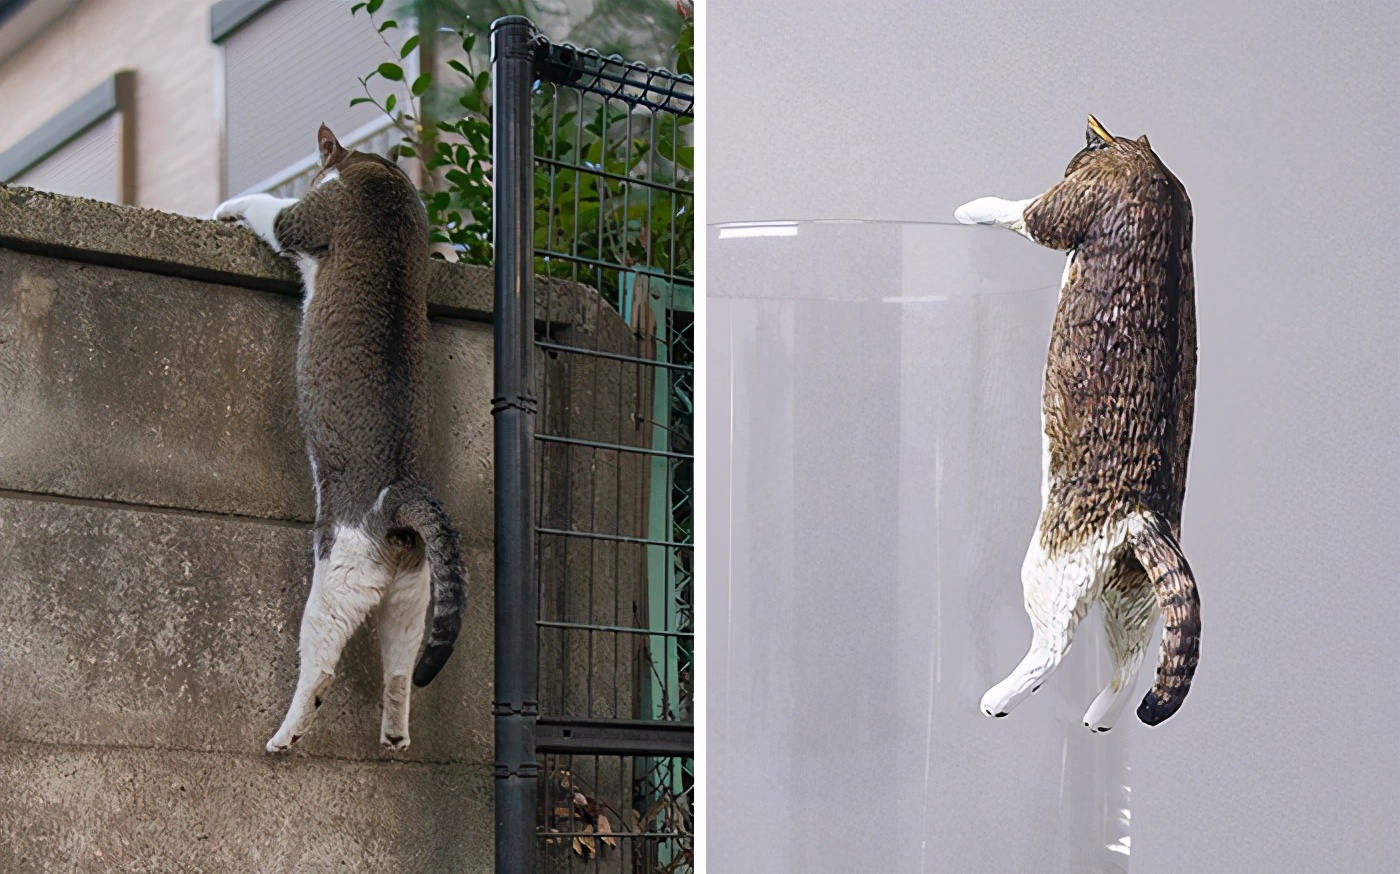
{"points": [[605, 826]]}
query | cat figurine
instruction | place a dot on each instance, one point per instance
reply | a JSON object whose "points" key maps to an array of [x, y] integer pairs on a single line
{"points": [[382, 539], [1119, 396]]}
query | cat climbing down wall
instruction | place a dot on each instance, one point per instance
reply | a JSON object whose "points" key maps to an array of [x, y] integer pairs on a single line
{"points": [[1119, 396], [382, 540]]}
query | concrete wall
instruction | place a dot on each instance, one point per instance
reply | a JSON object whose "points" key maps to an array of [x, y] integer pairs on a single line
{"points": [[155, 554]]}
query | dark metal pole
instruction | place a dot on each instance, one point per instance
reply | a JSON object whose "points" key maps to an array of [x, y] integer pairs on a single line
{"points": [[516, 702]]}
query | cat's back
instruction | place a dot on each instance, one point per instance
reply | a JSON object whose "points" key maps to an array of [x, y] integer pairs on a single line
{"points": [[1120, 376], [379, 240], [363, 349]]}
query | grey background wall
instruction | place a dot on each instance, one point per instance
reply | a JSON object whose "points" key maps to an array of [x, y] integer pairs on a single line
{"points": [[1282, 122]]}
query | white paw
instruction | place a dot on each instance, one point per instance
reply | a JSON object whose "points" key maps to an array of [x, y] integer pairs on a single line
{"points": [[282, 741], [232, 210], [989, 211], [258, 212], [996, 702], [1107, 707], [394, 742]]}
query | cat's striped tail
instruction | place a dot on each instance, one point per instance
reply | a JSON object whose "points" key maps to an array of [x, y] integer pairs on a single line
{"points": [[1151, 540], [420, 510]]}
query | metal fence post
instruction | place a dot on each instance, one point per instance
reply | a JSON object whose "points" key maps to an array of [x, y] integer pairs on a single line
{"points": [[516, 703]]}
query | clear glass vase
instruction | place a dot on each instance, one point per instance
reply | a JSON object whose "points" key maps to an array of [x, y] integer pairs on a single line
{"points": [[873, 472]]}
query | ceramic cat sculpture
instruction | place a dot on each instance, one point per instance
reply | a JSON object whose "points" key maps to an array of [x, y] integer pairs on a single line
{"points": [[1119, 394], [382, 540]]}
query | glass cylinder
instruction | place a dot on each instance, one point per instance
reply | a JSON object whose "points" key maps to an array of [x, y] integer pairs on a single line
{"points": [[873, 479]]}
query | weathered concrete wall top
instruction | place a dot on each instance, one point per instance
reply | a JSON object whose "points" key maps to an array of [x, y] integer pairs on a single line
{"points": [[218, 252]]}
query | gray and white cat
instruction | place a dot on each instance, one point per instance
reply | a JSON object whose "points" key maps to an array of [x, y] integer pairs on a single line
{"points": [[360, 239], [1119, 395]]}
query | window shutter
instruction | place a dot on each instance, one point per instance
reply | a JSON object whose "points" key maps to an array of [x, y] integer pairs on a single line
{"points": [[294, 65], [85, 167], [85, 150]]}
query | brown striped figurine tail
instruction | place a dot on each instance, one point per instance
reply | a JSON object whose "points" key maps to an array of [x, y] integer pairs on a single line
{"points": [[1151, 540]]}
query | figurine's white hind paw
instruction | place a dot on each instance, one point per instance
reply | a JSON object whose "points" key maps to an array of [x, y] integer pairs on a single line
{"points": [[1002, 698], [1107, 707], [994, 703], [992, 211]]}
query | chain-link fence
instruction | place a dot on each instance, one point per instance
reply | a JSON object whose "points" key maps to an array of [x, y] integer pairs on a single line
{"points": [[594, 192]]}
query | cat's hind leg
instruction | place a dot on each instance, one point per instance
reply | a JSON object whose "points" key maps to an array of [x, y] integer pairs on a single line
{"points": [[1059, 590], [402, 621], [1130, 610], [345, 587]]}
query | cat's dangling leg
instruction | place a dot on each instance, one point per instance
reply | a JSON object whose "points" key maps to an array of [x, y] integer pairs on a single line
{"points": [[1130, 610], [345, 587], [1058, 592], [402, 622]]}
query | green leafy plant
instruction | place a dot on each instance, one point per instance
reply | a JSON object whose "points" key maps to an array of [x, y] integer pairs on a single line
{"points": [[590, 205]]}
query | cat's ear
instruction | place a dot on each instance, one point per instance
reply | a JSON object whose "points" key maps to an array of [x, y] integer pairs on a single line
{"points": [[1143, 140], [1097, 136], [328, 145]]}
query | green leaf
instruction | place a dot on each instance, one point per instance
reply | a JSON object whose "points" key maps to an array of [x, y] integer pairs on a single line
{"points": [[373, 6], [408, 46], [389, 23], [389, 103], [471, 100], [460, 67], [356, 8], [422, 83], [392, 72], [685, 50], [358, 100], [483, 81], [469, 42], [407, 152]]}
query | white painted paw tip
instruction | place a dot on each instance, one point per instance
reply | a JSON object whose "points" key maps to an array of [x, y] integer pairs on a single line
{"points": [[975, 212]]}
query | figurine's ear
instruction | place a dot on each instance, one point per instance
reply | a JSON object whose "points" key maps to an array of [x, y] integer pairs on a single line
{"points": [[1143, 139], [328, 145], [1097, 136]]}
